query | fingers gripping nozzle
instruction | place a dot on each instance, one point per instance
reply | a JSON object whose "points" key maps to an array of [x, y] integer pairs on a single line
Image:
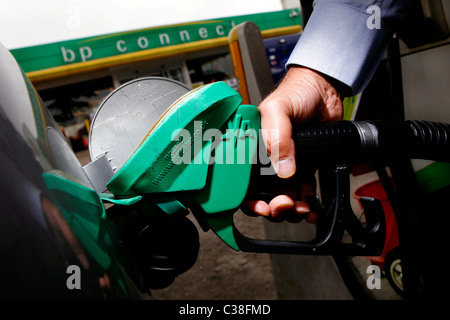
{"points": [[203, 152]]}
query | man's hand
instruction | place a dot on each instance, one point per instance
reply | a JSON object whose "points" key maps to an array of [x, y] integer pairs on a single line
{"points": [[302, 96]]}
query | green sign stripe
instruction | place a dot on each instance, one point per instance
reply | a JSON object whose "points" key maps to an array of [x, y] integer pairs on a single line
{"points": [[139, 56], [97, 47]]}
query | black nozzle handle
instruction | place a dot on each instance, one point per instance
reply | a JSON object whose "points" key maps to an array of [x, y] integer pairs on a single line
{"points": [[344, 143]]}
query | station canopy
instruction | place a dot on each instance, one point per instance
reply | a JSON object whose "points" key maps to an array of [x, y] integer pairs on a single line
{"points": [[53, 60]]}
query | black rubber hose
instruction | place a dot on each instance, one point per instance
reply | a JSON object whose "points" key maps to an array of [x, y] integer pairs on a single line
{"points": [[415, 139], [357, 141]]}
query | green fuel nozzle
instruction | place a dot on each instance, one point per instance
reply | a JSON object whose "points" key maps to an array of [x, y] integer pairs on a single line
{"points": [[201, 155]]}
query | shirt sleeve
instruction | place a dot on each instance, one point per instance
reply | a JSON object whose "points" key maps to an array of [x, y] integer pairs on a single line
{"points": [[346, 39]]}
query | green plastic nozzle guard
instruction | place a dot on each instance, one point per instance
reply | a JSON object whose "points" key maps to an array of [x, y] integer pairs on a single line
{"points": [[201, 150], [229, 174], [153, 165]]}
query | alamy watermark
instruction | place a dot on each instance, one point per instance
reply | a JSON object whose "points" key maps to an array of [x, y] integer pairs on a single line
{"points": [[374, 20], [374, 279], [238, 146], [73, 281]]}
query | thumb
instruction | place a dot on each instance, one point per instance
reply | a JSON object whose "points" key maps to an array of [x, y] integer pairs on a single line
{"points": [[277, 136]]}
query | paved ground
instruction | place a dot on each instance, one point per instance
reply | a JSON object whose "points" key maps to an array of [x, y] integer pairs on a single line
{"points": [[222, 273]]}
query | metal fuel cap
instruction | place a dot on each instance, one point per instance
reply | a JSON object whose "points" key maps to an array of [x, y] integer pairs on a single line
{"points": [[127, 114]]}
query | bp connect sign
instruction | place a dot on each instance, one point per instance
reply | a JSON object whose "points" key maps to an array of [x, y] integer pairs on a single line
{"points": [[87, 49]]}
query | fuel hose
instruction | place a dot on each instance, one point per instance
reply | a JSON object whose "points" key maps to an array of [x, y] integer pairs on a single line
{"points": [[357, 141]]}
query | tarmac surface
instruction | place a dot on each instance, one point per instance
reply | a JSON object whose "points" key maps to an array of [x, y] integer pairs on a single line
{"points": [[221, 273]]}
